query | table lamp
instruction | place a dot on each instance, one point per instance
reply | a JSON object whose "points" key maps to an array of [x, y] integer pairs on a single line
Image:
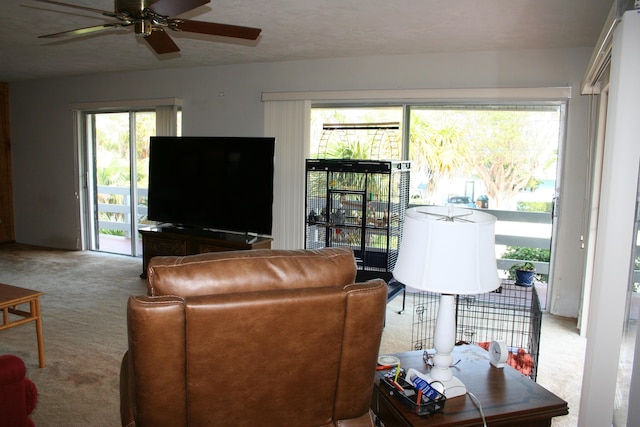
{"points": [[450, 251]]}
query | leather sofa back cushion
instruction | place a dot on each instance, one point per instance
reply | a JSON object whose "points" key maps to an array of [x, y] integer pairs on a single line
{"points": [[249, 271], [236, 357], [253, 379]]}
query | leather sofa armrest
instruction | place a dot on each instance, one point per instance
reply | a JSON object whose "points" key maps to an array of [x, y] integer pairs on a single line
{"points": [[158, 360], [126, 393], [364, 321]]}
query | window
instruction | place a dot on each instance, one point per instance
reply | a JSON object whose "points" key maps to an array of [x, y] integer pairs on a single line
{"points": [[498, 156], [356, 133], [504, 155]]}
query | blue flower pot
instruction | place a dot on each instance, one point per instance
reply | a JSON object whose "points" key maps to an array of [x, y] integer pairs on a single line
{"points": [[525, 277]]}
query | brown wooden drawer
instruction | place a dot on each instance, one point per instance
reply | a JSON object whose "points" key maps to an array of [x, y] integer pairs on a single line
{"points": [[159, 246], [203, 247]]}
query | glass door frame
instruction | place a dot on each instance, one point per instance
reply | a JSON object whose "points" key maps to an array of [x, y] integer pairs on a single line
{"points": [[405, 108], [91, 203], [614, 239], [168, 122]]}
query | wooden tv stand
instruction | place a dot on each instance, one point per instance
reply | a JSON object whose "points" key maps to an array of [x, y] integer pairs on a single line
{"points": [[163, 241]]}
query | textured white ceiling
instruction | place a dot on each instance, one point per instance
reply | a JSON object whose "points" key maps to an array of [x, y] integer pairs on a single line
{"points": [[293, 30]]}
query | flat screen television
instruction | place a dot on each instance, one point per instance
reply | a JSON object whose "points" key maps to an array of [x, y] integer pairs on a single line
{"points": [[212, 183]]}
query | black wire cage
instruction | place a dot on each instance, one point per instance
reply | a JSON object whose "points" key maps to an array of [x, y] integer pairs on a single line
{"points": [[359, 204], [512, 313]]}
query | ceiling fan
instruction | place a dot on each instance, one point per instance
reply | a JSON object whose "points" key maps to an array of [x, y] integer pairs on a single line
{"points": [[152, 18]]}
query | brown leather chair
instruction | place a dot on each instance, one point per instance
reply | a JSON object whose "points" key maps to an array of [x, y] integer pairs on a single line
{"points": [[253, 338]]}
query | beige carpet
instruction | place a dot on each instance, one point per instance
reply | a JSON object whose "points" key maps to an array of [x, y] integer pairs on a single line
{"points": [[84, 324], [83, 311]]}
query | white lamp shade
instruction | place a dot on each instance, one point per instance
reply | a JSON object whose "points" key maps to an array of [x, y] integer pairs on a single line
{"points": [[448, 250]]}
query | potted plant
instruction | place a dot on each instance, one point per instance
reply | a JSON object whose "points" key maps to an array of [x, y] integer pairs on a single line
{"points": [[523, 273], [482, 201]]}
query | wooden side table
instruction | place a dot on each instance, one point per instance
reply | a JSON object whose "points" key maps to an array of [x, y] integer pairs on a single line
{"points": [[508, 398], [10, 298]]}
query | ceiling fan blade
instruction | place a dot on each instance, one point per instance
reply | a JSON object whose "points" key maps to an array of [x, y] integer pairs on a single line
{"points": [[90, 9], [81, 31], [176, 7], [215, 29], [161, 42]]}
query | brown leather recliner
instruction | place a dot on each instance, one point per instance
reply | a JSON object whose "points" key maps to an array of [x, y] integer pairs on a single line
{"points": [[253, 338]]}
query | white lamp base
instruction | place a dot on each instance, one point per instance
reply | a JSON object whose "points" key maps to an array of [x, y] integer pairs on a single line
{"points": [[444, 341], [452, 388]]}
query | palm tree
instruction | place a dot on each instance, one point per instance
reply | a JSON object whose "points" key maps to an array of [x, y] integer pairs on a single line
{"points": [[436, 152]]}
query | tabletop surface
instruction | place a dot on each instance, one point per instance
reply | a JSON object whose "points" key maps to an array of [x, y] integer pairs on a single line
{"points": [[12, 293], [504, 393]]}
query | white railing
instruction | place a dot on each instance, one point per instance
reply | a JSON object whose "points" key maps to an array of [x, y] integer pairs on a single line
{"points": [[524, 230], [514, 228], [124, 209]]}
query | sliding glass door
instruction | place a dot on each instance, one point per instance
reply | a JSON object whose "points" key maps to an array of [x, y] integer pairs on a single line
{"points": [[114, 168], [118, 154]]}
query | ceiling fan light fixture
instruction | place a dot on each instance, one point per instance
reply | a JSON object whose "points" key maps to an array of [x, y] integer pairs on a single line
{"points": [[143, 27], [131, 7]]}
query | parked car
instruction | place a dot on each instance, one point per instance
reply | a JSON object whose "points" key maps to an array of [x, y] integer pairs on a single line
{"points": [[462, 201]]}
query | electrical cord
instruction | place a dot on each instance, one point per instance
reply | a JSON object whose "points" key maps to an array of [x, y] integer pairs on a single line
{"points": [[475, 400]]}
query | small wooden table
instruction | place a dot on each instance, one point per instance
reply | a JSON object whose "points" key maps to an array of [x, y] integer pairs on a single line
{"points": [[10, 298], [508, 398]]}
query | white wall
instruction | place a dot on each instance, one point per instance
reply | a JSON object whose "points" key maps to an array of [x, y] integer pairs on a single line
{"points": [[225, 100]]}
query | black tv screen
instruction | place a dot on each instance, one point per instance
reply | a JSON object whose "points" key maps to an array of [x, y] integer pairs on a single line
{"points": [[217, 183]]}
